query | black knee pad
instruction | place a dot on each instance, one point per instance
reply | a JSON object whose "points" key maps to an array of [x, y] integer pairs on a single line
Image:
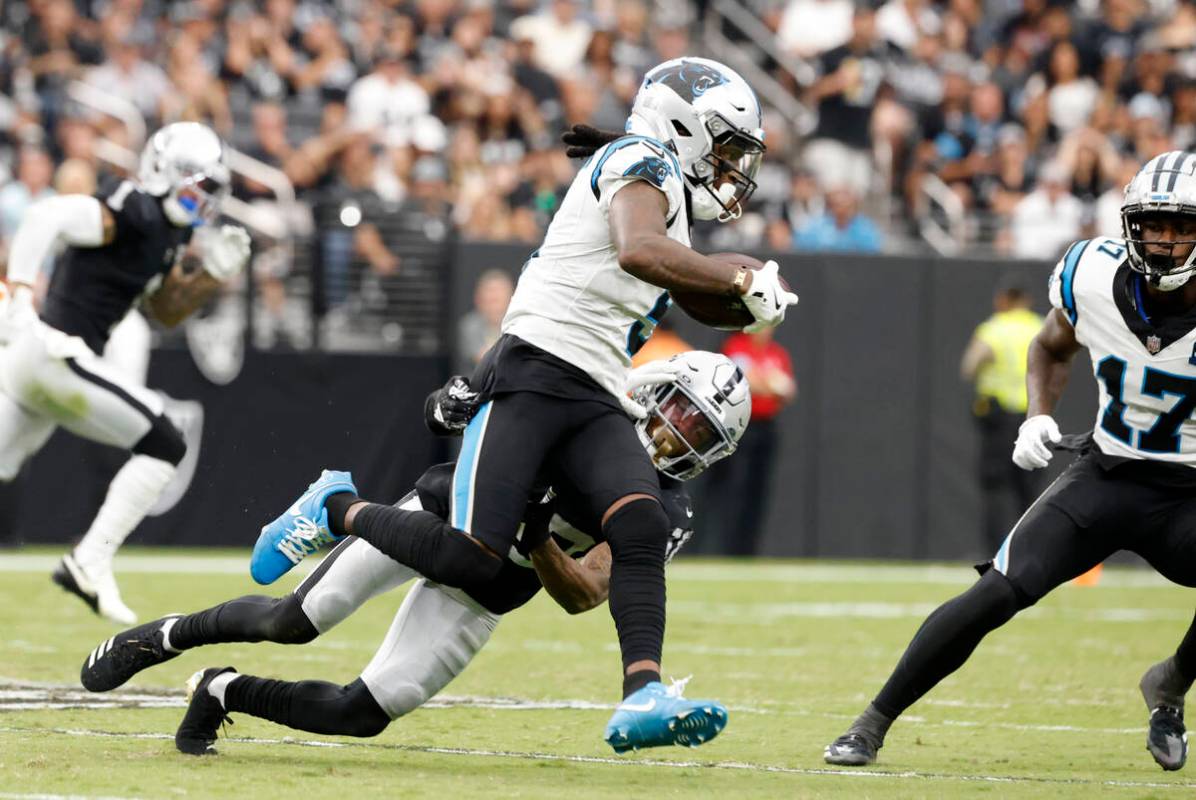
{"points": [[362, 714], [639, 529], [163, 441], [287, 624]]}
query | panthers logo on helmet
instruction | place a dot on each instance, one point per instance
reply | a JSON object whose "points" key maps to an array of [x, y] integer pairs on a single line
{"points": [[689, 79], [654, 170]]}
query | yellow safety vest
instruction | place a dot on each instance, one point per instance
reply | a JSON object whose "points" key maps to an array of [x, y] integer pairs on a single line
{"points": [[1008, 335]]}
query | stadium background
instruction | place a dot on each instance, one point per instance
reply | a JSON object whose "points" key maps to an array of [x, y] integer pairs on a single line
{"points": [[388, 152]]}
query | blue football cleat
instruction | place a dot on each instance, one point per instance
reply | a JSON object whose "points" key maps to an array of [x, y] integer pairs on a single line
{"points": [[657, 715], [299, 531]]}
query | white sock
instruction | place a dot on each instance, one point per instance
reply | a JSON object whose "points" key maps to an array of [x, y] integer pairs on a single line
{"points": [[131, 495], [166, 626], [220, 683]]}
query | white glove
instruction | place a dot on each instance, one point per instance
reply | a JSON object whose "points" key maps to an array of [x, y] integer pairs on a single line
{"points": [[226, 252], [767, 299], [653, 373], [1030, 452], [16, 313]]}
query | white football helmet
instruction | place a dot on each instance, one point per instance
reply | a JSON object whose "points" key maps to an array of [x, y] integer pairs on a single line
{"points": [[711, 119], [184, 164], [1166, 186], [698, 417]]}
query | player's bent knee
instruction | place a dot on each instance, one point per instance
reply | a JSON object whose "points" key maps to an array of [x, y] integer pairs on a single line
{"points": [[288, 624], [360, 713], [163, 441], [462, 561], [638, 526], [998, 599]]}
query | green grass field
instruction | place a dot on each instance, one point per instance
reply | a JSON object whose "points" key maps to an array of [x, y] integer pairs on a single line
{"points": [[1048, 707]]}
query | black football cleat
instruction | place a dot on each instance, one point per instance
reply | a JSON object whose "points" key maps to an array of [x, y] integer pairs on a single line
{"points": [[852, 749], [205, 715], [116, 660], [1167, 739]]}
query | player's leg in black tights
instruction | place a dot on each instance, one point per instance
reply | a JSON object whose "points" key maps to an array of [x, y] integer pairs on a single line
{"points": [[313, 706], [253, 618]]}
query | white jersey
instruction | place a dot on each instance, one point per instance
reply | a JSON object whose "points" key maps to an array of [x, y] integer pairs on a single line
{"points": [[573, 299], [1146, 373]]}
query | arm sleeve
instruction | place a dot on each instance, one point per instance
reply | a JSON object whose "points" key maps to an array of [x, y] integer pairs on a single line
{"points": [[625, 161], [73, 218]]}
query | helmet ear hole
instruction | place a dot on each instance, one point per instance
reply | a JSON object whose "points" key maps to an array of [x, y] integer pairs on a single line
{"points": [[680, 129]]}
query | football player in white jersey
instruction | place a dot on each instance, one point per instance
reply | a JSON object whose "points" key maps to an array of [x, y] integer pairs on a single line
{"points": [[696, 418], [123, 245], [1132, 303], [554, 383]]}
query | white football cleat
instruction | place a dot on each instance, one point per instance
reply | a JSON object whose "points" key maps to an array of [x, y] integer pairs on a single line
{"points": [[95, 587]]}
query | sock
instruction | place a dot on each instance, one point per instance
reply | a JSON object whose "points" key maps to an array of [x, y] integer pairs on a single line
{"points": [[130, 497], [218, 686], [872, 725], [946, 640], [637, 534], [637, 680], [252, 618], [313, 706], [1185, 655], [426, 543], [166, 643], [338, 506]]}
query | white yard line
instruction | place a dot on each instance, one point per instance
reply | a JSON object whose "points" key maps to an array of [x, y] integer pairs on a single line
{"points": [[629, 761], [698, 571]]}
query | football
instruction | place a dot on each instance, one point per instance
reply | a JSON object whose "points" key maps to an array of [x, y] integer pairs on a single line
{"points": [[723, 312]]}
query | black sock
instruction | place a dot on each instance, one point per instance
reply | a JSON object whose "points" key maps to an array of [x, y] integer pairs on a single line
{"points": [[637, 534], [873, 725], [946, 640], [338, 506], [252, 618], [1185, 655], [426, 543], [313, 706], [637, 680]]}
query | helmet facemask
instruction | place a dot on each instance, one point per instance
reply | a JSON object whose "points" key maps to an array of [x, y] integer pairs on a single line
{"points": [[1164, 268], [725, 177], [195, 200], [682, 439]]}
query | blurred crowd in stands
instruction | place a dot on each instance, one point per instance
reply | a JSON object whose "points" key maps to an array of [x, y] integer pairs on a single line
{"points": [[1010, 124]]}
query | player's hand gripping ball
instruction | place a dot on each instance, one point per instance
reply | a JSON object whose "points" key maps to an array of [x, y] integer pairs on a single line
{"points": [[729, 312]]}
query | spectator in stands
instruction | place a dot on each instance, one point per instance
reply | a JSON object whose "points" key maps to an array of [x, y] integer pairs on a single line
{"points": [[903, 22], [1046, 219], [323, 66], [839, 152], [198, 95], [741, 492], [1183, 118], [560, 36], [127, 74], [75, 176], [479, 328], [841, 229], [388, 101], [1069, 95], [59, 49], [33, 175], [995, 361], [1107, 216], [809, 28]]}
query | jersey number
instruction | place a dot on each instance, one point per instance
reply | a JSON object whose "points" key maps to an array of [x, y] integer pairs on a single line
{"points": [[1164, 436]]}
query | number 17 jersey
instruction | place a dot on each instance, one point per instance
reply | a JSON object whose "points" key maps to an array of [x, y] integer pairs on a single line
{"points": [[1145, 368]]}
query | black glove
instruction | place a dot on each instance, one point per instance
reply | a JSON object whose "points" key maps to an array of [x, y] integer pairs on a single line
{"points": [[448, 410], [582, 141], [535, 524]]}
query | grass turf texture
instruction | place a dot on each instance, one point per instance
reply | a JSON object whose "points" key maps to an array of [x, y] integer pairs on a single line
{"points": [[1048, 706]]}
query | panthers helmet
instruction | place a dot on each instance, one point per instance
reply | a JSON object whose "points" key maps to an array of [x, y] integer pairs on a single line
{"points": [[708, 115], [1166, 186], [184, 164], [697, 418]]}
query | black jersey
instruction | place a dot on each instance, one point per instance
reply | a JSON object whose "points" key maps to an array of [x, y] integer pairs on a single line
{"points": [[94, 287], [574, 532]]}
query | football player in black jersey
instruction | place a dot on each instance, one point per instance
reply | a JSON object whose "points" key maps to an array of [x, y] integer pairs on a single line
{"points": [[439, 629], [124, 245]]}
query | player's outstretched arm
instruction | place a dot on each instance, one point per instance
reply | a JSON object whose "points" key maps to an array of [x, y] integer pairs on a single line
{"points": [[1048, 363], [576, 586], [637, 227], [226, 253]]}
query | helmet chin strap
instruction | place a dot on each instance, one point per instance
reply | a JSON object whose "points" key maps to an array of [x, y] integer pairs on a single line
{"points": [[1169, 283]]}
